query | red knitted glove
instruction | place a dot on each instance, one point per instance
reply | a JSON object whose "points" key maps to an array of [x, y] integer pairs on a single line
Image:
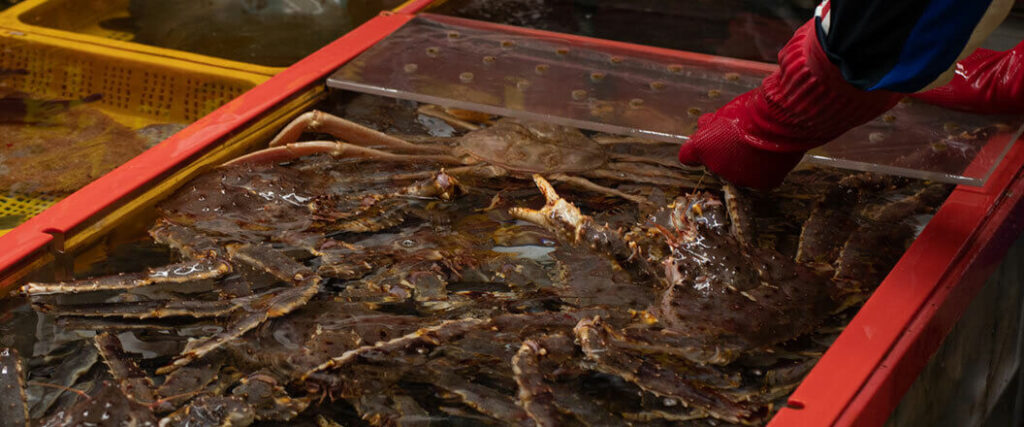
{"points": [[758, 137], [987, 82]]}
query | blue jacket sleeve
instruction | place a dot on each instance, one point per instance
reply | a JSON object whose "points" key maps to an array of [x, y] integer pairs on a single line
{"points": [[902, 45]]}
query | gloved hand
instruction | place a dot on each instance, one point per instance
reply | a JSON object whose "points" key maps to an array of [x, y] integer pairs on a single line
{"points": [[987, 82], [757, 138]]}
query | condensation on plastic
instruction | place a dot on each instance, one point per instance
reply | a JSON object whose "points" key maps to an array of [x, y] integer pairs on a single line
{"points": [[633, 90]]}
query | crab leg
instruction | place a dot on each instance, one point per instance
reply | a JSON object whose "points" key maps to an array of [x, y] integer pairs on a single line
{"points": [[675, 345], [268, 399], [186, 241], [439, 113], [336, 149], [433, 335], [605, 139], [534, 395], [212, 411], [640, 167], [564, 219], [443, 186], [175, 273], [474, 170], [585, 184], [655, 180], [318, 121], [135, 384], [12, 389], [274, 303], [673, 164], [147, 309], [484, 399], [740, 214], [192, 379], [660, 381], [682, 348]]}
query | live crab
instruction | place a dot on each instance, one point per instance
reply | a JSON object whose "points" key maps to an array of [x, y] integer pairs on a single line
{"points": [[682, 306]]}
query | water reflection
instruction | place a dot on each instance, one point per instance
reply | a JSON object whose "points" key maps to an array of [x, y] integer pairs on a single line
{"points": [[735, 28]]}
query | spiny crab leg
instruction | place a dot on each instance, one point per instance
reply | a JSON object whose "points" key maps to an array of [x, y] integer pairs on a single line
{"points": [[439, 113], [12, 383], [566, 220], [674, 164], [338, 150], [535, 396], [661, 381], [318, 121], [147, 309], [275, 303], [175, 273], [609, 173], [433, 335], [134, 383], [474, 170], [586, 184]]}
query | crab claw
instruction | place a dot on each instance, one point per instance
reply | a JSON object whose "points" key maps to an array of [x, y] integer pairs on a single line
{"points": [[442, 186], [557, 215], [566, 220]]}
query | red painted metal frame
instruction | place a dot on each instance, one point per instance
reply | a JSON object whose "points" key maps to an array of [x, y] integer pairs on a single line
{"points": [[865, 373], [861, 378], [33, 236]]}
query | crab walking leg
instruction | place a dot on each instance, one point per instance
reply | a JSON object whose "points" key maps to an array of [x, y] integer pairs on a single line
{"points": [[186, 241], [679, 349], [740, 213], [442, 186], [639, 168], [433, 335], [318, 121], [671, 163], [564, 219], [439, 113], [147, 309], [655, 180], [135, 384], [534, 395], [618, 139], [271, 304], [660, 381], [483, 399], [474, 170], [13, 401], [175, 273], [212, 411], [585, 184], [336, 149]]}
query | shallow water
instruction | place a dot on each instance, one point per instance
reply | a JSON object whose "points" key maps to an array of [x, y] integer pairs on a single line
{"points": [[534, 276]]}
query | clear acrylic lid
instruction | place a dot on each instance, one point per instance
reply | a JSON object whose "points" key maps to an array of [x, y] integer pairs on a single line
{"points": [[649, 92]]}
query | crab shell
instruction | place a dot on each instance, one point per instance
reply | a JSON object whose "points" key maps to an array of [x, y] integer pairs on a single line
{"points": [[533, 147]]}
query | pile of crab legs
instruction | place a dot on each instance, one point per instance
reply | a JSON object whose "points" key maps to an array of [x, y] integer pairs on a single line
{"points": [[682, 316]]}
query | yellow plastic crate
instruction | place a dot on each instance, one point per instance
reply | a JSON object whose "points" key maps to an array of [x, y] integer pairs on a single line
{"points": [[135, 91], [81, 20]]}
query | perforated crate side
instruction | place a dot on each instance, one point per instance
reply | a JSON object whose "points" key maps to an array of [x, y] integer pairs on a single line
{"points": [[134, 92], [148, 91]]}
